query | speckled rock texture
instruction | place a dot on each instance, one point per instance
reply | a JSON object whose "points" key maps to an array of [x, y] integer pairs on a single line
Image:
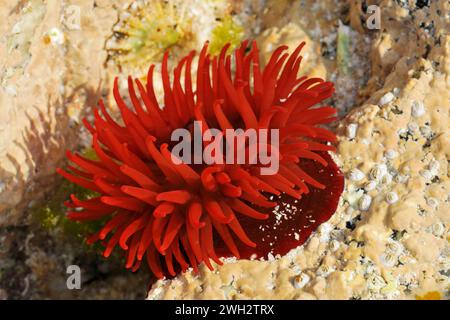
{"points": [[51, 72]]}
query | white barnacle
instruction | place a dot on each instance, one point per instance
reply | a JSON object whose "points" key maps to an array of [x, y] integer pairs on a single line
{"points": [[386, 179], [377, 172], [427, 174], [417, 109], [364, 202], [391, 197], [400, 178], [334, 245], [386, 98], [388, 259], [438, 229], [351, 130], [394, 248], [301, 280], [390, 154], [434, 166], [324, 271], [371, 185], [356, 175]]}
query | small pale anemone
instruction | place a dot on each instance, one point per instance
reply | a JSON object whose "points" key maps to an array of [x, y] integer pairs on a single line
{"points": [[143, 36], [175, 215]]}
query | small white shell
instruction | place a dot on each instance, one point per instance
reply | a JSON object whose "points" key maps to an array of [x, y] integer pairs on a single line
{"points": [[394, 248], [301, 280], [438, 229], [391, 197], [388, 97], [390, 154], [427, 174], [389, 260], [434, 166], [351, 130], [324, 271], [417, 109], [377, 172], [364, 202], [356, 175], [371, 185], [334, 245], [386, 179]]}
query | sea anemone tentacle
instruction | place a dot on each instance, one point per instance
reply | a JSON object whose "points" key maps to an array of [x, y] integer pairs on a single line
{"points": [[175, 214]]}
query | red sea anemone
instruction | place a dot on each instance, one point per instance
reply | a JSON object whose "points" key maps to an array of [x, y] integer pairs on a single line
{"points": [[179, 215]]}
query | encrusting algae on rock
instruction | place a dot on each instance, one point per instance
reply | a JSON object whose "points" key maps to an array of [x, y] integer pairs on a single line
{"points": [[51, 213]]}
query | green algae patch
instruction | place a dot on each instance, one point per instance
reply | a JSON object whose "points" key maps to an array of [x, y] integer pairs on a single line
{"points": [[50, 214], [227, 31]]}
